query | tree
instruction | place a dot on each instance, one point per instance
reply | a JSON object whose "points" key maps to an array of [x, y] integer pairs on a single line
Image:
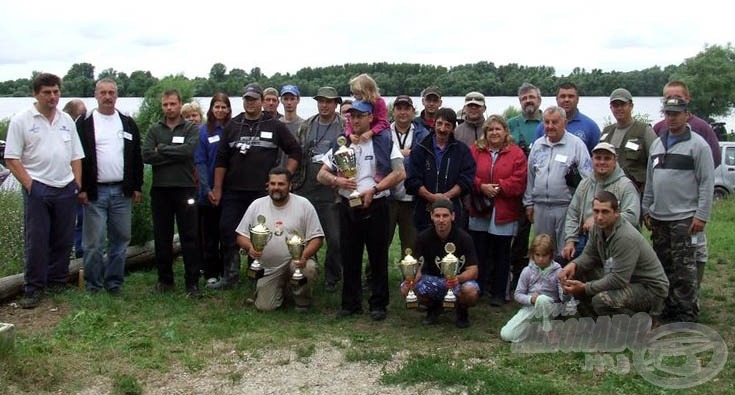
{"points": [[139, 83], [150, 109], [710, 76], [79, 81]]}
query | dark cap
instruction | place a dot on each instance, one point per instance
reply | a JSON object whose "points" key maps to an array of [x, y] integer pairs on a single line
{"points": [[675, 103], [253, 90], [443, 203], [405, 99], [621, 94], [432, 90]]}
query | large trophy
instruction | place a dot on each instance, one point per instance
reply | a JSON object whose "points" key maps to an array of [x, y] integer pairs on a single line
{"points": [[450, 266], [409, 268], [346, 161], [296, 245], [259, 237]]}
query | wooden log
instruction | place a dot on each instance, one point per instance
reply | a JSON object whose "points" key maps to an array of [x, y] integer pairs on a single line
{"points": [[136, 257]]}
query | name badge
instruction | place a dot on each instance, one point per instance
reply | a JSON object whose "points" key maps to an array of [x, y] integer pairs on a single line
{"points": [[127, 136], [603, 137], [177, 140], [655, 162], [560, 158], [66, 136], [319, 158], [213, 139], [631, 146], [266, 135]]}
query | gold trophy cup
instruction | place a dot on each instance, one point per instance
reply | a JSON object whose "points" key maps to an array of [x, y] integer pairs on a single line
{"points": [[409, 268], [259, 237], [296, 245], [346, 161], [449, 267]]}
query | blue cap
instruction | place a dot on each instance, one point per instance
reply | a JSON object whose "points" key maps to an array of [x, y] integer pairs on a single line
{"points": [[361, 106], [292, 89]]}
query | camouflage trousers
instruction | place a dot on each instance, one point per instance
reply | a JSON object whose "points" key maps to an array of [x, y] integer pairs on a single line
{"points": [[630, 299], [673, 245]]}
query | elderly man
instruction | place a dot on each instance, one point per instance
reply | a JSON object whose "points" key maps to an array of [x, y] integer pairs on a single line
{"points": [[379, 168], [618, 271], [578, 124], [474, 115], [552, 158], [676, 206], [285, 215], [631, 138], [606, 176]]}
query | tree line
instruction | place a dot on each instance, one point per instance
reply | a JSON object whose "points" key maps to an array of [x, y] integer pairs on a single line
{"points": [[710, 76]]}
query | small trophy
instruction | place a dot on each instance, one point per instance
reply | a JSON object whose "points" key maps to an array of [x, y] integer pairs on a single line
{"points": [[259, 237], [346, 161], [409, 268], [449, 267], [296, 245]]}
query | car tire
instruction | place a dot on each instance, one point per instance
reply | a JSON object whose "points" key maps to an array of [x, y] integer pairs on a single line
{"points": [[720, 194]]}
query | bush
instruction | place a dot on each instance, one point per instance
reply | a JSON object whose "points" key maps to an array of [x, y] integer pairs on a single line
{"points": [[142, 221], [150, 110], [11, 233]]}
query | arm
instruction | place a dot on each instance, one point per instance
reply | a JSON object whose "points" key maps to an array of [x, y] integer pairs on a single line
{"points": [[467, 171], [181, 151], [630, 204], [624, 261], [380, 117], [138, 168], [705, 177], [397, 174], [522, 292], [515, 184], [311, 248], [290, 145], [219, 177], [76, 169]]}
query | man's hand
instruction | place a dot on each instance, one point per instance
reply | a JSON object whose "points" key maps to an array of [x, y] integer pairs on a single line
{"points": [[452, 283], [529, 213], [697, 226], [254, 254], [82, 198], [354, 138], [137, 197], [647, 221], [588, 224], [568, 251], [533, 298], [367, 197], [574, 287], [215, 196], [567, 272], [300, 264]]}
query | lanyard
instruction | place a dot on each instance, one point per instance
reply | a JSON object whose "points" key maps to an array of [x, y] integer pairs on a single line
{"points": [[402, 142]]}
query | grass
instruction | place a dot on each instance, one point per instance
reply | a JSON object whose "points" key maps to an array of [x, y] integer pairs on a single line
{"points": [[75, 341]]}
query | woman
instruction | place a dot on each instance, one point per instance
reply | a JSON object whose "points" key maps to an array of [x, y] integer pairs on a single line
{"points": [[192, 112], [210, 134], [500, 179]]}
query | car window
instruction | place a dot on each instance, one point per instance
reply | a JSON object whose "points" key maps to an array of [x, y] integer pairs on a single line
{"points": [[730, 156]]}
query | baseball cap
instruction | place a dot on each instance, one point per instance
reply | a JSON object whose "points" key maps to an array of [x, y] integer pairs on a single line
{"points": [[270, 91], [432, 90], [621, 94], [443, 203], [361, 106], [675, 103], [605, 147], [327, 92], [474, 98], [253, 90], [405, 99], [292, 89]]}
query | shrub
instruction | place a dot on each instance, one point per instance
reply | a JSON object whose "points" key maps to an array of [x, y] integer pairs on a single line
{"points": [[150, 110], [142, 222], [11, 233]]}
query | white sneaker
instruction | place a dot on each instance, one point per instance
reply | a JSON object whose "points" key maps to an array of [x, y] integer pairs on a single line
{"points": [[212, 280]]}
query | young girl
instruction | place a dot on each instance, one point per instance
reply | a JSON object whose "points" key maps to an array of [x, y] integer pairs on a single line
{"points": [[538, 289], [364, 88]]}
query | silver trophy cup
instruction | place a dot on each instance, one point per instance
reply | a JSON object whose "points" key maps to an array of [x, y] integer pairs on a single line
{"points": [[259, 237], [296, 245], [409, 267], [449, 267]]}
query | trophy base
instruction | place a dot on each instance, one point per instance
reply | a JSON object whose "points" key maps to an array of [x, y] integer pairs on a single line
{"points": [[297, 282], [255, 274], [449, 304], [355, 202], [412, 305]]}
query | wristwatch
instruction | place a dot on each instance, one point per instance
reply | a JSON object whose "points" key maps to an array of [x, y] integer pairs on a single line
{"points": [[375, 190]]}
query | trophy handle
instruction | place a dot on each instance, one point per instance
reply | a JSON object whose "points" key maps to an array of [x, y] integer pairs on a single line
{"points": [[438, 263], [462, 261]]}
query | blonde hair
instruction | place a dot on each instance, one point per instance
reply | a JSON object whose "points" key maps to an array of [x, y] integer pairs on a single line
{"points": [[542, 244], [365, 88], [192, 107], [499, 119]]}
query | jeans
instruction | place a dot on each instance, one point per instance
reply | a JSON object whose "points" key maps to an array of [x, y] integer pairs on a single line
{"points": [[328, 213], [107, 218]]}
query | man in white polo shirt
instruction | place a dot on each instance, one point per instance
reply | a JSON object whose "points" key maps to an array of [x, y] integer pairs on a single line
{"points": [[44, 154]]}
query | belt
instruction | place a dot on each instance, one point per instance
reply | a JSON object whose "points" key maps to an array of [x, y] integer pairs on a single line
{"points": [[109, 184]]}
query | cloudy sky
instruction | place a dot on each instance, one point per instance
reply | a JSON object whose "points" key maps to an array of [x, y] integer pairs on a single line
{"points": [[284, 36]]}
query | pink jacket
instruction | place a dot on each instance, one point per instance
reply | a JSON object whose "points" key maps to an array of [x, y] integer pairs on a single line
{"points": [[380, 118]]}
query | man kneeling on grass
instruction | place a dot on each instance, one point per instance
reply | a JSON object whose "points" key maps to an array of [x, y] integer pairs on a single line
{"points": [[285, 214], [431, 287]]}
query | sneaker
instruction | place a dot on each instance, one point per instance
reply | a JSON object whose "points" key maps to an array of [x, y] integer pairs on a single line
{"points": [[222, 284], [193, 292], [163, 288], [378, 315], [463, 317], [212, 280], [346, 313], [432, 316], [30, 300]]}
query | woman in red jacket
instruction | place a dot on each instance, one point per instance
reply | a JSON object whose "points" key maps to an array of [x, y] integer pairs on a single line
{"points": [[500, 181]]}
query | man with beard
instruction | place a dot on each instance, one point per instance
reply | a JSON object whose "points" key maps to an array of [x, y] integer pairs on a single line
{"points": [[578, 124], [285, 215]]}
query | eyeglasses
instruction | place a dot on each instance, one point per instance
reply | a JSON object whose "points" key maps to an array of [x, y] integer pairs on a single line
{"points": [[474, 98]]}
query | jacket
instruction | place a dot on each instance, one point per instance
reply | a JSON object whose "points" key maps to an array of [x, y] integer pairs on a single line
{"points": [[509, 170], [533, 281]]}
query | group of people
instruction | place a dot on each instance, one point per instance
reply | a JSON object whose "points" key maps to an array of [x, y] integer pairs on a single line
{"points": [[478, 184]]}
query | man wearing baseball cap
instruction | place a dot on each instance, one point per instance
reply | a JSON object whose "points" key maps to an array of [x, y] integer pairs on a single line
{"points": [[290, 98], [431, 99], [470, 130], [608, 176]]}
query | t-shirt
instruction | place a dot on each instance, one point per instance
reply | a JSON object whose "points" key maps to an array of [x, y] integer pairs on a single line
{"points": [[430, 246], [108, 142]]}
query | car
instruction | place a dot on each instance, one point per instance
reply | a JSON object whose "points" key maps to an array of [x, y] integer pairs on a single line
{"points": [[725, 172]]}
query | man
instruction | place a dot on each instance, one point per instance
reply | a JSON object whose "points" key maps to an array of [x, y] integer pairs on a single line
{"points": [[248, 150], [285, 215], [406, 136], [169, 148], [606, 176], [379, 168], [441, 167], [618, 271], [112, 180], [271, 102], [676, 206], [317, 135], [290, 98], [474, 115], [578, 124], [44, 154], [76, 108], [631, 138], [431, 99], [523, 130], [547, 191], [431, 285]]}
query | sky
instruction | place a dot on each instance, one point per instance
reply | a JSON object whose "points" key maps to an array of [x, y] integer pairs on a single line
{"points": [[284, 36]]}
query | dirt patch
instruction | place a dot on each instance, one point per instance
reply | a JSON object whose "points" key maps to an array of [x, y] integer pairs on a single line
{"points": [[41, 319]]}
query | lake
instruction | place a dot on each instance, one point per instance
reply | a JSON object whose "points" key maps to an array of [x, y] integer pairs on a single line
{"points": [[596, 108]]}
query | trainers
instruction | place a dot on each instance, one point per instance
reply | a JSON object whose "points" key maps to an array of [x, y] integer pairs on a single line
{"points": [[30, 300], [193, 292], [163, 288], [378, 315], [432, 316], [463, 317], [212, 280], [222, 284]]}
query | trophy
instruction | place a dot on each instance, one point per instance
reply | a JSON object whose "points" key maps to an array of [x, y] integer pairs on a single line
{"points": [[295, 245], [449, 267], [409, 267], [346, 161], [259, 237]]}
